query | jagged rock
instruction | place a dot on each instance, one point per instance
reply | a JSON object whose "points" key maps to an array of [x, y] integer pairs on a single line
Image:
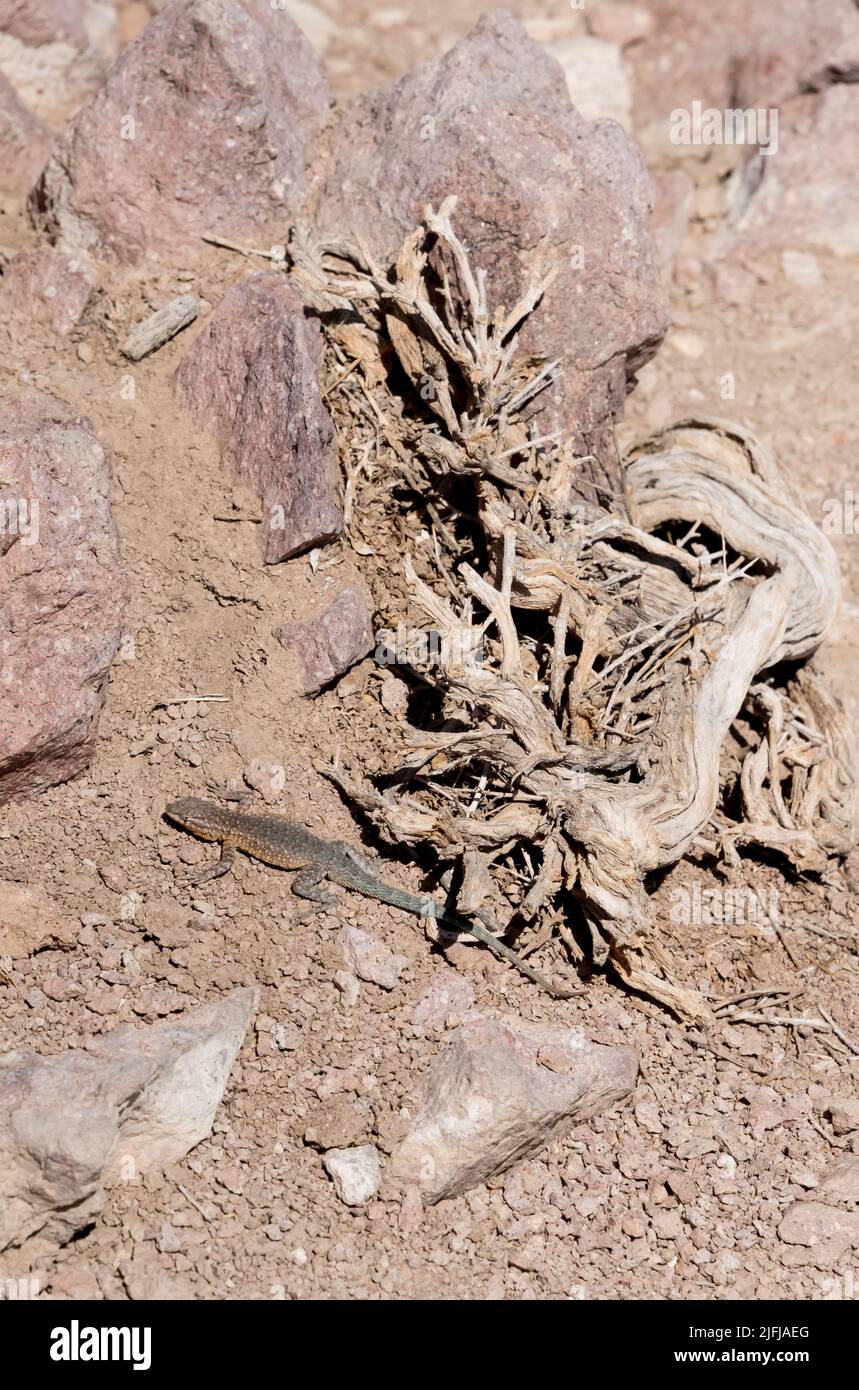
{"points": [[138, 1099], [62, 592], [497, 1093], [202, 126], [251, 379], [329, 644], [370, 959], [356, 1173]]}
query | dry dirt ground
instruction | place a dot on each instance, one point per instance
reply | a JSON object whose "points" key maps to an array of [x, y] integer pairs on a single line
{"points": [[677, 1194]]}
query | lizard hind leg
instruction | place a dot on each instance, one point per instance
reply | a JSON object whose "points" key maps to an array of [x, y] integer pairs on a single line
{"points": [[307, 884]]}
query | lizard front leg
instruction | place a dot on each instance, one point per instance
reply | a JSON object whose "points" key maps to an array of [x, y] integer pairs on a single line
{"points": [[216, 870], [307, 885]]}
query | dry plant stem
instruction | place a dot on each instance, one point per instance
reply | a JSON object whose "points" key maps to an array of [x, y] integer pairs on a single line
{"points": [[670, 642]]}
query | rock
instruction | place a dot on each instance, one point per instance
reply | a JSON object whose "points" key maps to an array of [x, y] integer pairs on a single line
{"points": [[138, 1099], [812, 1223], [337, 1123], [840, 1182], [348, 986], [804, 46], [63, 598], [843, 1112], [671, 211], [329, 644], [538, 188], [690, 55], [802, 268], [24, 143], [443, 999], [370, 959], [356, 1173], [394, 696], [161, 326], [56, 53], [48, 286], [146, 1280], [620, 22], [267, 778], [202, 126], [803, 198], [30, 920], [597, 78], [316, 26], [488, 1101], [251, 379]]}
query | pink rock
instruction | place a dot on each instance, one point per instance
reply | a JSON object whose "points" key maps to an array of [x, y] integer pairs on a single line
{"points": [[30, 920], [489, 1102], [690, 55], [24, 143], [48, 286], [538, 187], [812, 1223], [443, 999], [620, 22], [804, 46], [56, 53], [201, 126], [251, 378], [804, 197], [370, 959], [844, 1113], [328, 645], [674, 194], [840, 1182], [62, 593]]}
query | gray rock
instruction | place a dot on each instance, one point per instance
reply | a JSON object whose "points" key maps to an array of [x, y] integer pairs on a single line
{"points": [[497, 1093], [251, 380], [62, 592], [329, 644], [356, 1173], [138, 1099], [538, 188], [202, 126]]}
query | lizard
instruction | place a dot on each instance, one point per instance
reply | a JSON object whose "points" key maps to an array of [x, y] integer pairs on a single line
{"points": [[284, 844]]}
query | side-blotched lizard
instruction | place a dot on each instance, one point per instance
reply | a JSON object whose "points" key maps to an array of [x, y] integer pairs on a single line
{"points": [[286, 845]]}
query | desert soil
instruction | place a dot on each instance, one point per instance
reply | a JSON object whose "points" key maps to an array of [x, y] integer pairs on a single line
{"points": [[677, 1194]]}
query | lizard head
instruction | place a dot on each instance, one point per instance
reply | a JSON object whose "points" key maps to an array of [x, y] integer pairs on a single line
{"points": [[196, 815]]}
